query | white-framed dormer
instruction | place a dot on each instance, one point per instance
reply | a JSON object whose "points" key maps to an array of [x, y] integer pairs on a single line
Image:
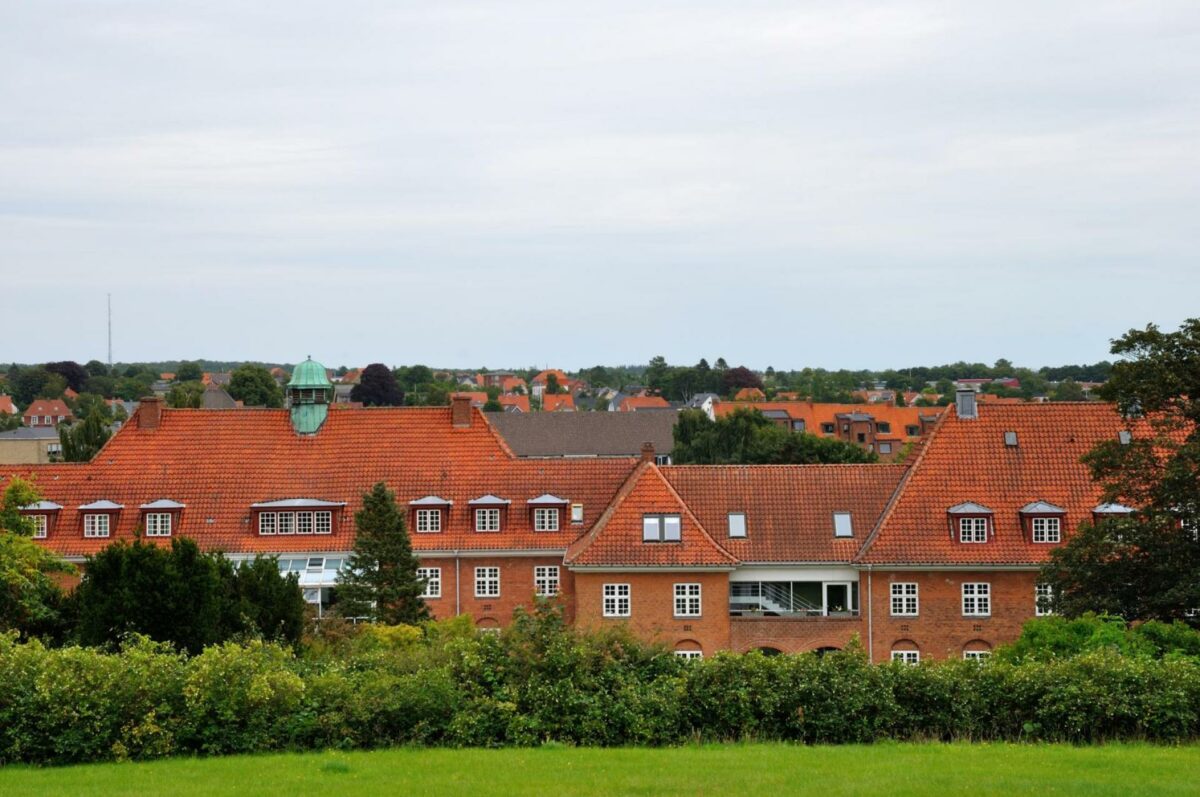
{"points": [[487, 512], [971, 523], [1043, 522], [296, 516], [161, 518], [546, 512], [430, 514], [99, 518], [44, 515]]}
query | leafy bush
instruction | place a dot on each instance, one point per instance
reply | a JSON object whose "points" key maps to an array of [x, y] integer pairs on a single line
{"points": [[541, 681]]}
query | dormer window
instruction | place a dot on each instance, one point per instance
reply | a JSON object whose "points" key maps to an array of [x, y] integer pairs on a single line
{"points": [[428, 513], [41, 526], [912, 431], [737, 524], [40, 513], [661, 528], [159, 517], [98, 518], [158, 524], [96, 525], [487, 512], [1043, 521], [972, 522], [305, 516], [547, 511]]}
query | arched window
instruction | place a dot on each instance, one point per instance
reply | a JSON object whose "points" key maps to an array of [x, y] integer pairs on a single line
{"points": [[906, 650], [977, 650], [689, 649]]}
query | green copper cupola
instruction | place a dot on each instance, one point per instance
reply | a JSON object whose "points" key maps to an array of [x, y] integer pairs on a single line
{"points": [[309, 394]]}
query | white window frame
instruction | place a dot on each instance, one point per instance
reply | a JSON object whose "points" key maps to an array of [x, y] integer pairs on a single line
{"points": [[688, 602], [976, 655], [286, 523], [973, 530], [576, 513], [432, 576], [323, 522], [905, 599], [487, 582], [267, 523], [33, 420], [429, 521], [1047, 529], [617, 600], [41, 525], [655, 527], [158, 524], [54, 448], [97, 526], [546, 580], [487, 519], [737, 525], [690, 655], [977, 599], [1042, 591], [305, 523], [907, 656], [545, 518]]}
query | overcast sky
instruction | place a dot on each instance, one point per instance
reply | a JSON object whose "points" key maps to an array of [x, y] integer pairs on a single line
{"points": [[565, 183]]}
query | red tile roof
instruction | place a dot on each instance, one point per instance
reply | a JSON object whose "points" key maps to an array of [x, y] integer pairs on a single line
{"points": [[50, 407], [478, 397], [219, 462], [557, 402], [520, 402], [966, 460], [544, 376], [749, 394], [6, 404], [616, 539], [633, 403], [814, 414], [788, 508]]}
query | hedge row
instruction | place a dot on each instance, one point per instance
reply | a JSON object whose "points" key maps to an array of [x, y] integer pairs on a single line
{"points": [[539, 682]]}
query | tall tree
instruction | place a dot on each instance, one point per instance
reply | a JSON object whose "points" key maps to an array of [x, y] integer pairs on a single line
{"points": [[81, 440], [75, 374], [189, 372], [30, 599], [552, 385], [186, 395], [740, 377], [380, 580], [1145, 565], [254, 386], [377, 387]]}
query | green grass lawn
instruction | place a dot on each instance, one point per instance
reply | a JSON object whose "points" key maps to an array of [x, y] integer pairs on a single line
{"points": [[773, 770]]}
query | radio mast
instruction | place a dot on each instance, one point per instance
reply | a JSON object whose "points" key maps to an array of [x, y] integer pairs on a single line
{"points": [[110, 333]]}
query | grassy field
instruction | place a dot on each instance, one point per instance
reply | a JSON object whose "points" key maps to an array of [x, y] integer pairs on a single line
{"points": [[892, 769]]}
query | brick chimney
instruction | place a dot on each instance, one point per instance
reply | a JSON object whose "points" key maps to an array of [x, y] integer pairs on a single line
{"points": [[150, 413], [964, 404], [647, 451], [460, 411]]}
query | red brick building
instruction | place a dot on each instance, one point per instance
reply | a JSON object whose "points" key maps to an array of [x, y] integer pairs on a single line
{"points": [[933, 559], [46, 412]]}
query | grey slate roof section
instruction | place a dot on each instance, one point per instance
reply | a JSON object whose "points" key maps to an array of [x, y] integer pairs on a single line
{"points": [[30, 433], [585, 434], [216, 398]]}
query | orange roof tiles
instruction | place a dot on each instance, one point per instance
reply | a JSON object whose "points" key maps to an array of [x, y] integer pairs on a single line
{"points": [[478, 397], [520, 402], [966, 460], [48, 407], [544, 376], [749, 394], [616, 538], [219, 462], [814, 414], [6, 404], [633, 403], [789, 508], [558, 402]]}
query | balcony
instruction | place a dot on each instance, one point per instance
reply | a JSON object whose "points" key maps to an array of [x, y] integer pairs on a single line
{"points": [[793, 599]]}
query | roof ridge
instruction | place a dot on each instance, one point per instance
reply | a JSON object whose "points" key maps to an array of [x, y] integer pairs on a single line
{"points": [[899, 491], [691, 514], [584, 541]]}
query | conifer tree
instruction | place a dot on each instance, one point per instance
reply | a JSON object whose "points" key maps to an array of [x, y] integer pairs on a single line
{"points": [[380, 581]]}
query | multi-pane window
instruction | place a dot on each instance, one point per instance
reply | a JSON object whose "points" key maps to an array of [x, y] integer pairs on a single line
{"points": [[687, 600], [660, 528], [907, 656], [432, 576], [976, 655], [158, 524], [690, 655], [487, 582], [95, 525], [545, 580], [1042, 595], [1047, 529], [487, 519], [39, 526], [294, 523], [904, 599], [972, 529], [976, 599], [429, 520], [545, 519], [616, 600]]}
